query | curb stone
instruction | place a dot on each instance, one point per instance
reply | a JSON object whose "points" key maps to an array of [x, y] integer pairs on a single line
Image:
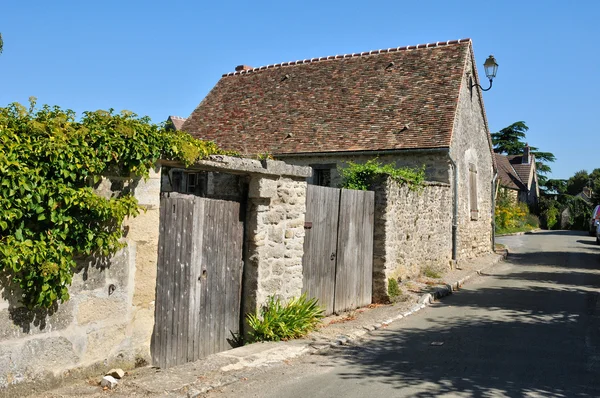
{"points": [[533, 231]]}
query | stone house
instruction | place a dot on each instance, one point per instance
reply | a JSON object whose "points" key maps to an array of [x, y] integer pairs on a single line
{"points": [[412, 106], [517, 176]]}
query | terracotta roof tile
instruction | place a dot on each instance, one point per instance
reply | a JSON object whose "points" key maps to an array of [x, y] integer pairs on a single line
{"points": [[176, 121], [523, 170], [399, 98], [507, 175]]}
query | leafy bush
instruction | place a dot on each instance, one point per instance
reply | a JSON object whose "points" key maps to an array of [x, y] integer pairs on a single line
{"points": [[549, 212], [580, 213], [362, 175], [393, 288], [283, 322], [511, 216], [49, 212]]}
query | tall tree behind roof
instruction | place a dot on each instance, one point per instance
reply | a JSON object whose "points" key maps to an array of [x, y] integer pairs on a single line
{"points": [[510, 141]]}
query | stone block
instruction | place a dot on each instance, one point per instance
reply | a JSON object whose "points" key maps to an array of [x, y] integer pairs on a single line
{"points": [[96, 309], [103, 343], [148, 192], [34, 358], [261, 187], [109, 382], [17, 322], [117, 373], [275, 233]]}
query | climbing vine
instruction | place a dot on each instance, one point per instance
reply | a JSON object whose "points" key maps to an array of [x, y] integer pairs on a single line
{"points": [[50, 214], [362, 175]]}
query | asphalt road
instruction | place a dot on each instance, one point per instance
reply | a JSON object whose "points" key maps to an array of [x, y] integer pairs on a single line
{"points": [[531, 327]]}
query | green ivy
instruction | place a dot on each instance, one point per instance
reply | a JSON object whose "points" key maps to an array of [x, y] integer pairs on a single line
{"points": [[362, 175], [49, 213]]}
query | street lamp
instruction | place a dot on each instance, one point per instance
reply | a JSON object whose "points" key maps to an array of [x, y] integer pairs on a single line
{"points": [[491, 67]]}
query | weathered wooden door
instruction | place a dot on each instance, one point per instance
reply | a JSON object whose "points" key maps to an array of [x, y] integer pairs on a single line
{"points": [[320, 244], [338, 247], [199, 278]]}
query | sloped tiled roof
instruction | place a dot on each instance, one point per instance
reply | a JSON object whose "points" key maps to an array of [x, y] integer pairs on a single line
{"points": [[176, 121], [523, 170], [393, 99], [507, 175]]}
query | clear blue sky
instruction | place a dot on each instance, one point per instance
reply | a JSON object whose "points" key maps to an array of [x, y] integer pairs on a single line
{"points": [[161, 58]]}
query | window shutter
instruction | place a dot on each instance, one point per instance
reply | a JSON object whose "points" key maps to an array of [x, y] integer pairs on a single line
{"points": [[473, 192]]}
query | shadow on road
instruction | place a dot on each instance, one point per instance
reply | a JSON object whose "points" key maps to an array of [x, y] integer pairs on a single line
{"points": [[562, 232], [589, 242], [589, 259], [534, 332]]}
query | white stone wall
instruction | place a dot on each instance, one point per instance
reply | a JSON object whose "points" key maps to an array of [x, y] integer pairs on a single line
{"points": [[413, 231], [107, 322], [275, 239]]}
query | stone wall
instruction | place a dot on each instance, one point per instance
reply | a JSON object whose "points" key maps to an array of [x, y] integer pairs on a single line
{"points": [[471, 144], [412, 232], [435, 162], [109, 319]]}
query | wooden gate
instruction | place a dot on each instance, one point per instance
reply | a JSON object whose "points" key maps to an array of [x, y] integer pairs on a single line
{"points": [[338, 247], [199, 278]]}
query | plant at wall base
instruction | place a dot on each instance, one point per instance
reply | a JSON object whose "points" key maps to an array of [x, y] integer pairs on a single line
{"points": [[362, 175], [431, 272], [49, 212], [277, 321], [393, 288], [511, 216]]}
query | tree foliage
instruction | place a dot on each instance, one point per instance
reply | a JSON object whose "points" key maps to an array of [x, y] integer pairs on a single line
{"points": [[49, 212], [577, 182], [510, 141], [1, 44]]}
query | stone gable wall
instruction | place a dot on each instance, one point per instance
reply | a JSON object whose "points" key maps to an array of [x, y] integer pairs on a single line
{"points": [[470, 145], [412, 232]]}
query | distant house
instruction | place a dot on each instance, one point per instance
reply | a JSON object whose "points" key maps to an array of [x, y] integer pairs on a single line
{"points": [[586, 194], [517, 176], [412, 106]]}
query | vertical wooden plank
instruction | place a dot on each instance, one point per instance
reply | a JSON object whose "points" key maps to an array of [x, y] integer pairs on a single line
{"points": [[368, 226], [168, 296], [174, 281], [170, 269], [229, 272], [320, 245], [221, 260], [237, 271], [186, 308], [160, 287], [196, 281], [348, 246], [207, 247], [203, 302]]}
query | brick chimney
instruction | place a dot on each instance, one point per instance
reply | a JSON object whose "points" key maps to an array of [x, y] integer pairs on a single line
{"points": [[526, 155], [240, 68]]}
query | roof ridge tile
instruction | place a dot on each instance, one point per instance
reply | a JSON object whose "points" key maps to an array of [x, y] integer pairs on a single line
{"points": [[342, 56]]}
